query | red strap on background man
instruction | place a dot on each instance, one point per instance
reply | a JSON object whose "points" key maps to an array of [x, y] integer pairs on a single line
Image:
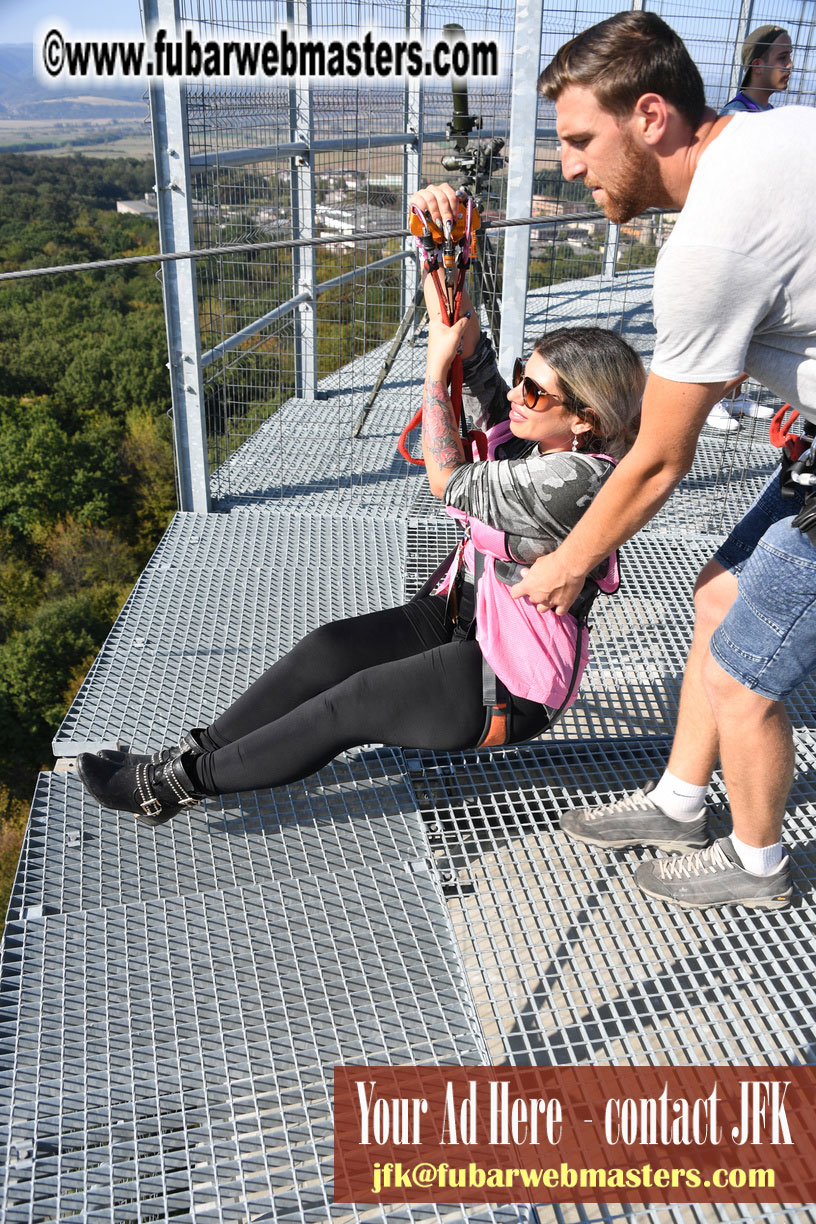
{"points": [[779, 434]]}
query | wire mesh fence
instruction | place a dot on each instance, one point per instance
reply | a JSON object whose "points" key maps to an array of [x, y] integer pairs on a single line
{"points": [[311, 160]]}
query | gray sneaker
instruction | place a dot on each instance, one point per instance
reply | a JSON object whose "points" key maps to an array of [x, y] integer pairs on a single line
{"points": [[636, 821], [714, 877]]}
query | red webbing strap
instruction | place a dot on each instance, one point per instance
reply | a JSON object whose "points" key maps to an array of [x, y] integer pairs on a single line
{"points": [[402, 441], [478, 438], [456, 378], [794, 445], [443, 301]]}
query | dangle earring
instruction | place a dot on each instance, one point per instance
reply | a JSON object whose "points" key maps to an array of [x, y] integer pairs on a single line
{"points": [[574, 442]]}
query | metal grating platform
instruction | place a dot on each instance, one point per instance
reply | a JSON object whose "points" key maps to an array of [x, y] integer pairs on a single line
{"points": [[305, 460], [219, 602], [623, 303], [656, 1213], [171, 1002], [222, 597], [172, 1059], [357, 812], [639, 641], [726, 477], [428, 545], [567, 961]]}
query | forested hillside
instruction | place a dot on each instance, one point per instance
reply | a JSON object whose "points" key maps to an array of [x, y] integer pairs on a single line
{"points": [[86, 467]]}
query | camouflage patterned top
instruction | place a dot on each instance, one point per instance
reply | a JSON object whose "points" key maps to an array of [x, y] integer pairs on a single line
{"points": [[534, 499]]}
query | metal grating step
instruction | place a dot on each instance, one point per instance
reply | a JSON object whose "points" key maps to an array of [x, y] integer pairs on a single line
{"points": [[222, 597], [668, 1213], [289, 1208], [173, 1058], [218, 603], [357, 812], [568, 962], [304, 467]]}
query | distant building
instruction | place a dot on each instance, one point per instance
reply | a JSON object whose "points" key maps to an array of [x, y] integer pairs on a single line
{"points": [[342, 179], [140, 208], [545, 206], [202, 210], [579, 231], [361, 218], [149, 208], [642, 229], [553, 206]]}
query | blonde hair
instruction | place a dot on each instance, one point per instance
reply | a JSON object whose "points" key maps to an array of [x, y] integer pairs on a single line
{"points": [[601, 379]]}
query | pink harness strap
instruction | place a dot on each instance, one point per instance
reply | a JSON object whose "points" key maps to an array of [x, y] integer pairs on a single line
{"points": [[538, 657]]}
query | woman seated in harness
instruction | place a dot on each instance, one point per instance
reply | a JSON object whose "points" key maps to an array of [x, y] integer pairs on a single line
{"points": [[412, 676]]}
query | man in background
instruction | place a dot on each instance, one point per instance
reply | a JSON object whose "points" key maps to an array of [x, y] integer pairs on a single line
{"points": [[767, 60]]}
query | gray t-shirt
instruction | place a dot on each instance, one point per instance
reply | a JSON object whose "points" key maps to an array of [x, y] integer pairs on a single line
{"points": [[735, 285]]}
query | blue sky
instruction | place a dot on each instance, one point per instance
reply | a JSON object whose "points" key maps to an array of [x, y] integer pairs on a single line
{"points": [[20, 18]]}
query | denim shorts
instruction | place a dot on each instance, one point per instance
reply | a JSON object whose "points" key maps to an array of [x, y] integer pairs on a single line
{"points": [[767, 640]]}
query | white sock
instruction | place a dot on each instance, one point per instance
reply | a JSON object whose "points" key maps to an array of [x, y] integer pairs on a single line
{"points": [[759, 860], [678, 799]]}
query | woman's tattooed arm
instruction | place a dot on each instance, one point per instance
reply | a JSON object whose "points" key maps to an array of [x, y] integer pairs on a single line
{"points": [[442, 447]]}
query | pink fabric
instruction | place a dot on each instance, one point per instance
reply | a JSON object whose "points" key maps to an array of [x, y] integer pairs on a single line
{"points": [[533, 655]]}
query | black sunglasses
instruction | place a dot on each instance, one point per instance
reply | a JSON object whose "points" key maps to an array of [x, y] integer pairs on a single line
{"points": [[531, 393]]}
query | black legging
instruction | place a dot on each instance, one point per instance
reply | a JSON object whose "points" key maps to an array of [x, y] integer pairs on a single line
{"points": [[398, 677]]}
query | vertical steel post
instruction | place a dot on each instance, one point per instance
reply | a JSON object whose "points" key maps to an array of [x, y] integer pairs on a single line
{"points": [[801, 50], [412, 154], [171, 154], [743, 26], [299, 14], [612, 235], [610, 254], [520, 171]]}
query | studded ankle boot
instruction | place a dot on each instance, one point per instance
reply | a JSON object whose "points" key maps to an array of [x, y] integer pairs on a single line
{"points": [[154, 792]]}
